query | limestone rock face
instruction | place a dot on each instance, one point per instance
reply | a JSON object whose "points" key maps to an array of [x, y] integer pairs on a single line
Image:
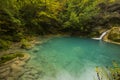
{"points": [[114, 34]]}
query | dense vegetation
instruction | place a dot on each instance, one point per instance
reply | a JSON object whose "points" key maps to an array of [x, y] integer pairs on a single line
{"points": [[21, 18]]}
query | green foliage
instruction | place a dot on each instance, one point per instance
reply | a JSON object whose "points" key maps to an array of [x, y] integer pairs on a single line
{"points": [[18, 36], [25, 44], [43, 13], [78, 14], [8, 57], [4, 44]]}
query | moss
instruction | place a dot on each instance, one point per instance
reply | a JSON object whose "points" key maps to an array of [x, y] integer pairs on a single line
{"points": [[115, 71], [114, 34], [8, 57], [4, 44], [25, 44], [109, 72]]}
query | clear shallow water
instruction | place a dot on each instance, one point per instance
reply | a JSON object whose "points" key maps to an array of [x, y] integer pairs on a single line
{"points": [[70, 58]]}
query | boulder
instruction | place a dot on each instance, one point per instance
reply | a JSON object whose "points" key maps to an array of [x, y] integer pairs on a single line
{"points": [[114, 34]]}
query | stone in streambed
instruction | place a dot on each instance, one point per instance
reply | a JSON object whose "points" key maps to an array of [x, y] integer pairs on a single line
{"points": [[25, 58]]}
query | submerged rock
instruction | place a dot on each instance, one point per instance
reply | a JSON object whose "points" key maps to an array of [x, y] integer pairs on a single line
{"points": [[30, 73]]}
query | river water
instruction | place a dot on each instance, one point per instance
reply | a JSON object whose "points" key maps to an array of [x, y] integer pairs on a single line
{"points": [[70, 58]]}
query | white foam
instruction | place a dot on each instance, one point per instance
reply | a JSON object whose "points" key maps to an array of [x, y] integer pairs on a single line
{"points": [[86, 75], [102, 35]]}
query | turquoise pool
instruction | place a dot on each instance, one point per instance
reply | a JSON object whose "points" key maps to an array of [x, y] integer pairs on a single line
{"points": [[70, 58]]}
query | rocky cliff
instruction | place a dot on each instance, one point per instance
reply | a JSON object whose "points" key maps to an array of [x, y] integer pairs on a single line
{"points": [[113, 35]]}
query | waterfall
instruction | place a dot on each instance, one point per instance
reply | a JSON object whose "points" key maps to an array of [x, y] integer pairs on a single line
{"points": [[102, 35]]}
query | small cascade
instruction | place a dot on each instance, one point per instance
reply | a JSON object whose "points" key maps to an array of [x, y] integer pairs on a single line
{"points": [[103, 34]]}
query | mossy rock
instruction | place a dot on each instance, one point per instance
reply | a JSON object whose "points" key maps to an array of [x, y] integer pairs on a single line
{"points": [[8, 57], [114, 34], [25, 44]]}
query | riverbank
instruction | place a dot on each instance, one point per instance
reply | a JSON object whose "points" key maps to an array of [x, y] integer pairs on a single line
{"points": [[11, 70], [14, 68], [113, 36], [105, 38]]}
